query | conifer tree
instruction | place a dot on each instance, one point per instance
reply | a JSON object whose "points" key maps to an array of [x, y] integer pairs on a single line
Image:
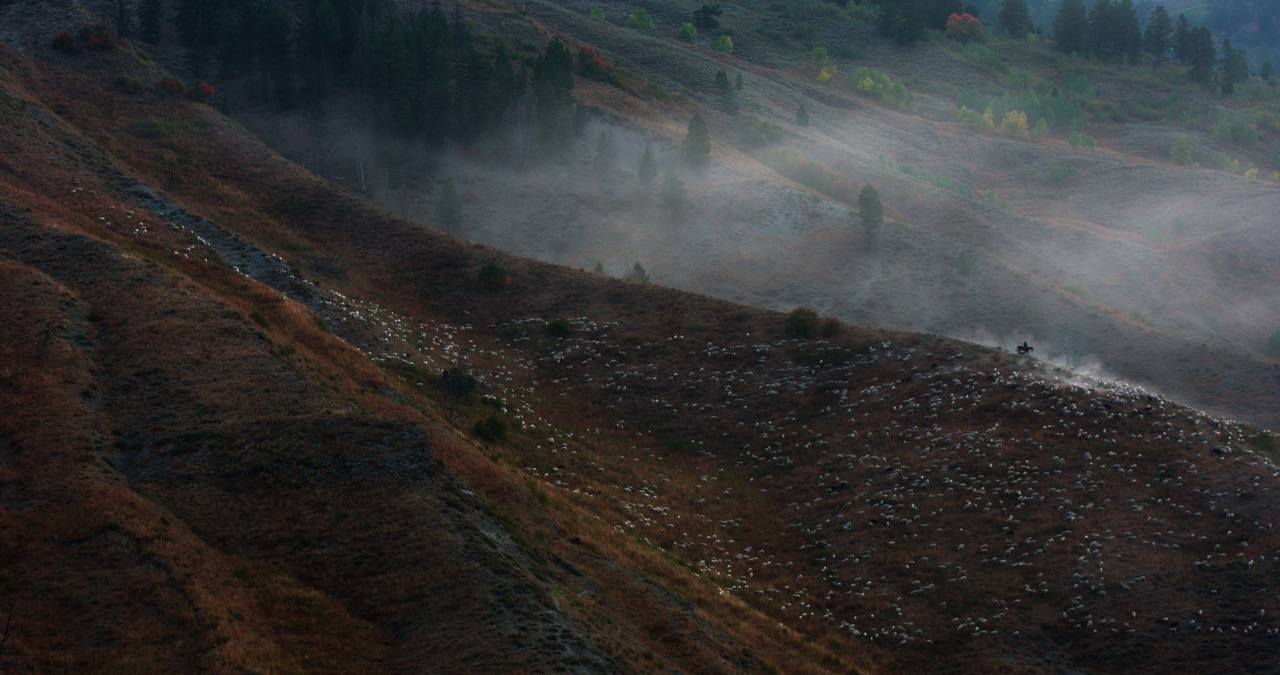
{"points": [[726, 94], [1015, 18], [1234, 70], [1159, 29], [802, 115], [1201, 55], [1266, 72], [1181, 38], [1071, 27], [673, 198], [697, 143], [647, 169], [871, 213], [553, 91], [606, 154], [151, 20]]}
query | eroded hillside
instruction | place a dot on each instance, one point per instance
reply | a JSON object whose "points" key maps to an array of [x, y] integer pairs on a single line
{"points": [[227, 445]]}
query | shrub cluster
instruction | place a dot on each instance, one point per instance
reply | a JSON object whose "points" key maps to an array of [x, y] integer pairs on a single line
{"points": [[965, 28], [494, 277], [879, 85], [594, 66], [804, 323]]}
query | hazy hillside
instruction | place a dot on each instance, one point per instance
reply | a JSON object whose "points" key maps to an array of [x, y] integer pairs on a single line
{"points": [[255, 423]]}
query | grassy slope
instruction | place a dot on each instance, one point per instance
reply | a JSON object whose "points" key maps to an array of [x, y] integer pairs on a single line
{"points": [[891, 500], [1156, 272]]}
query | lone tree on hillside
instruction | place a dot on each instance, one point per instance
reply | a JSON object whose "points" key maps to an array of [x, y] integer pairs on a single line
{"points": [[705, 16], [871, 213], [726, 93], [673, 198], [802, 115], [697, 143], [647, 169]]}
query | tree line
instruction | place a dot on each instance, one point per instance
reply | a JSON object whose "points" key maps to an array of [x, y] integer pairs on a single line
{"points": [[420, 72]]}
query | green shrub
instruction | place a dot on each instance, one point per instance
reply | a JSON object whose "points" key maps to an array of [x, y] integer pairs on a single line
{"points": [[757, 132], [1061, 174], [597, 13], [723, 44], [493, 277], [1180, 153], [687, 33], [1082, 141], [129, 85], [559, 328], [802, 323], [640, 20], [151, 128], [881, 86]]}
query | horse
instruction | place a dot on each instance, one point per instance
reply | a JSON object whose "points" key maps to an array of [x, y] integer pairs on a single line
{"points": [[1024, 348]]}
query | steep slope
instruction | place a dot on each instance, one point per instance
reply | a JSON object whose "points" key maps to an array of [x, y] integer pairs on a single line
{"points": [[202, 476], [1113, 257]]}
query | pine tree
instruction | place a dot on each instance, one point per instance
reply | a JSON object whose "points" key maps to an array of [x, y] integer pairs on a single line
{"points": [[697, 143], [673, 198], [726, 94], [1071, 27], [647, 169], [1234, 70], [1201, 55], [871, 213], [1128, 39], [1181, 38], [1103, 28], [937, 11], [1266, 72], [151, 20], [1015, 18], [903, 20], [606, 154], [553, 90], [802, 115], [1159, 28]]}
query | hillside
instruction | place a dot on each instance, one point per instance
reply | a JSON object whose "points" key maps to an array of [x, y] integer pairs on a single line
{"points": [[232, 447], [1114, 260]]}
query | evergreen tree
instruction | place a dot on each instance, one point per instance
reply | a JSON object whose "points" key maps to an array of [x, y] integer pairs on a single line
{"points": [[687, 33], [937, 11], [606, 154], [1103, 28], [1234, 70], [1128, 33], [478, 104], [151, 20], [673, 198], [802, 115], [553, 91], [432, 53], [697, 143], [902, 20], [1156, 41], [737, 82], [647, 169], [1071, 27], [705, 16], [1266, 72], [1015, 18], [1201, 55], [726, 94], [1181, 38], [871, 213]]}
